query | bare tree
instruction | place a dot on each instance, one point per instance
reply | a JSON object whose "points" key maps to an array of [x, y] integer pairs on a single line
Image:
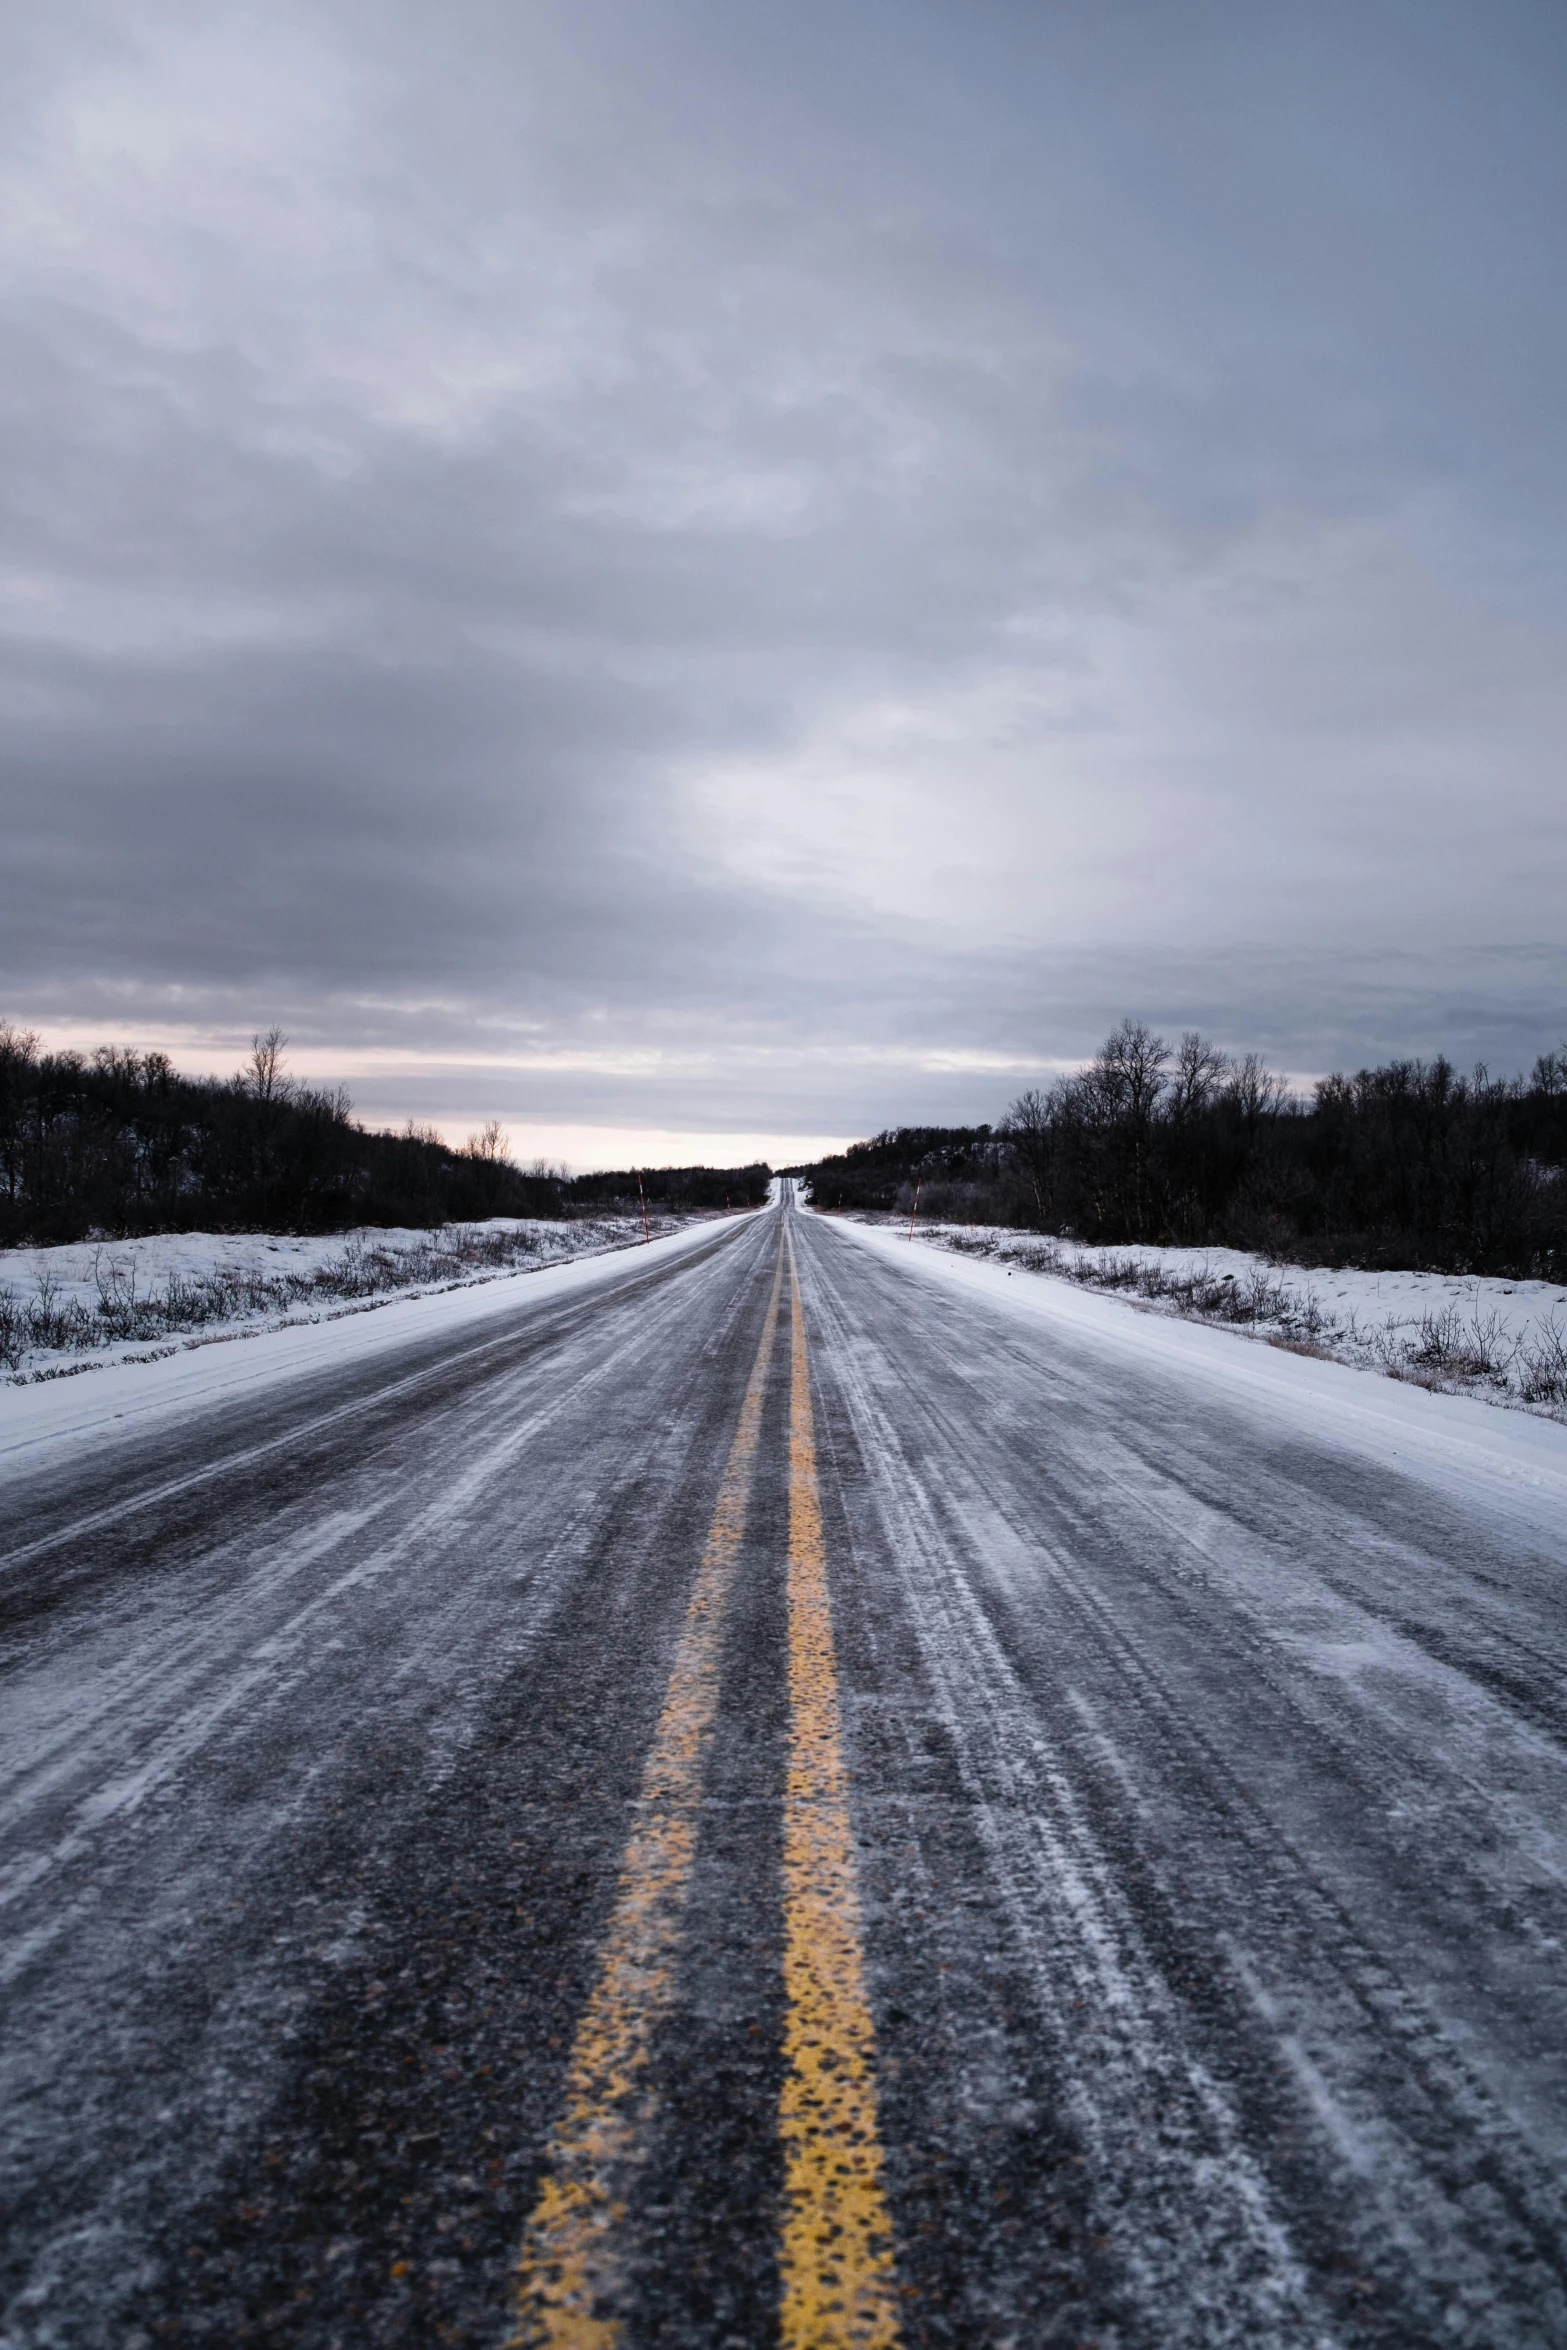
{"points": [[18, 1058], [492, 1144], [1028, 1128], [1255, 1090], [18, 1045], [1130, 1071], [267, 1081], [1200, 1068]]}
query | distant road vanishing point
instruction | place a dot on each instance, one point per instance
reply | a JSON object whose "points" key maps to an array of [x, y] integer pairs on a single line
{"points": [[756, 1795]]}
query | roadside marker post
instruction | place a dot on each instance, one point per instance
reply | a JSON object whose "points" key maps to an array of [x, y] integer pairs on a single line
{"points": [[642, 1196], [914, 1211]]}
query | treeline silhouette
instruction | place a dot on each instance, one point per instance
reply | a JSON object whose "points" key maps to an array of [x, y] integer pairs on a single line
{"points": [[1410, 1165], [682, 1189], [118, 1142]]}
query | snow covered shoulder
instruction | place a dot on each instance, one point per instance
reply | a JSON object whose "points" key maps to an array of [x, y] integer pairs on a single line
{"points": [[95, 1302], [1505, 1341]]}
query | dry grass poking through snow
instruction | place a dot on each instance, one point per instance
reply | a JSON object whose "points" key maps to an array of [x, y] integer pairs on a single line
{"points": [[1506, 1340], [66, 1309]]}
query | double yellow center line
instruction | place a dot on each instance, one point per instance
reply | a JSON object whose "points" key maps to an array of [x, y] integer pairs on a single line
{"points": [[835, 2252], [836, 2255]]}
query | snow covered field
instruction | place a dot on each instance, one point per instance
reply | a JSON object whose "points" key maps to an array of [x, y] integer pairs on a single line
{"points": [[1503, 1340], [91, 1303]]}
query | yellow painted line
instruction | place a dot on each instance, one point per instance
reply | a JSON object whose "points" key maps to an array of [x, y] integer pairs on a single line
{"points": [[572, 2271], [836, 2276]]}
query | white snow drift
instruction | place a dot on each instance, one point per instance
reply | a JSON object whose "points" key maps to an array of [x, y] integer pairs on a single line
{"points": [[96, 1302], [1503, 1340]]}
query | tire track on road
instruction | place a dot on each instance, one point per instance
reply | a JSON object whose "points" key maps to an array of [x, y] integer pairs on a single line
{"points": [[572, 2273], [1148, 1944]]}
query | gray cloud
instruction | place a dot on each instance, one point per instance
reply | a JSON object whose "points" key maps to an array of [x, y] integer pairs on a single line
{"points": [[832, 552]]}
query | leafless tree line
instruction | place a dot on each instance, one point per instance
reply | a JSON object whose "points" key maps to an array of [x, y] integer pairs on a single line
{"points": [[118, 1142], [1409, 1164]]}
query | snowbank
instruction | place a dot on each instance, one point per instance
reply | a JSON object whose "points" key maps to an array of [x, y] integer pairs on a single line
{"points": [[74, 1307], [1510, 1462], [136, 1392], [1505, 1341]]}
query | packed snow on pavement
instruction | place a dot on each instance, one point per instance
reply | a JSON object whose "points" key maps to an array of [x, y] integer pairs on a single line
{"points": [[89, 1303], [1503, 1340]]}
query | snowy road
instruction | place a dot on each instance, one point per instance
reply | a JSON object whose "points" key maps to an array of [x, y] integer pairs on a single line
{"points": [[769, 1793]]}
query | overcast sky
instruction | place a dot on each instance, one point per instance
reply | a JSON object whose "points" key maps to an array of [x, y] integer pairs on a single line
{"points": [[701, 577]]}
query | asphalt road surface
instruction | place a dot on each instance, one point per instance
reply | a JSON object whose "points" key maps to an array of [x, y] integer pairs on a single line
{"points": [[770, 1801]]}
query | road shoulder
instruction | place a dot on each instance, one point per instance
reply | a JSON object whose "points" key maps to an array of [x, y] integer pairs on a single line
{"points": [[1469, 1447], [105, 1404]]}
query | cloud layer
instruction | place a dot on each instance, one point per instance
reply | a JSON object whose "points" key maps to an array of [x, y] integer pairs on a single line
{"points": [[713, 570]]}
